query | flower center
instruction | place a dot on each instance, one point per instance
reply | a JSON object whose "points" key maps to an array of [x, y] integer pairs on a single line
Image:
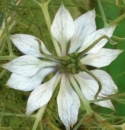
{"points": [[71, 64]]}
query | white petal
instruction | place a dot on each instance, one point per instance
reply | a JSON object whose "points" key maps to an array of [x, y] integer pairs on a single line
{"points": [[68, 103], [28, 45], [89, 89], [96, 35], [106, 103], [102, 58], [108, 84], [84, 25], [27, 65], [62, 27], [42, 94], [19, 82]]}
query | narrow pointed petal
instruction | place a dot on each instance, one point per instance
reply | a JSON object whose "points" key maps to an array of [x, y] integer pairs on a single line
{"points": [[68, 103], [94, 36], [27, 65], [102, 58], [84, 26], [106, 103], [62, 27], [19, 82], [89, 89], [28, 44], [108, 84], [42, 94]]}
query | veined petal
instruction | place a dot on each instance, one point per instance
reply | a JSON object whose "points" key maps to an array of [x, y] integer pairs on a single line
{"points": [[102, 58], [108, 85], [84, 25], [19, 82], [27, 65], [62, 27], [89, 89], [94, 36], [106, 103], [42, 94], [68, 103], [28, 45]]}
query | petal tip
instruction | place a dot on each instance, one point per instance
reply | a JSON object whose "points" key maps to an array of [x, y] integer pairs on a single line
{"points": [[13, 36], [120, 51], [113, 108], [62, 6], [113, 27], [28, 112], [93, 10], [116, 90]]}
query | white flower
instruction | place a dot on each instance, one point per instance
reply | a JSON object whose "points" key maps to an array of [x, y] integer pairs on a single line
{"points": [[28, 71]]}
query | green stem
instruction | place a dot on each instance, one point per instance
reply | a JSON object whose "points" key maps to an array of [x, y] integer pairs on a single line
{"points": [[80, 122], [92, 45], [2, 28], [117, 19], [98, 100], [42, 1], [14, 114], [52, 126], [102, 121], [123, 1], [40, 126], [11, 57], [39, 117], [7, 34], [63, 49], [98, 81], [81, 96], [102, 13], [2, 38], [5, 128], [54, 97], [2, 73], [35, 1], [118, 38], [44, 7], [121, 74], [1, 117], [12, 108], [48, 1]]}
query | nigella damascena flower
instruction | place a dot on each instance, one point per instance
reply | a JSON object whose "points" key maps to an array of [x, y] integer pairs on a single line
{"points": [[85, 48]]}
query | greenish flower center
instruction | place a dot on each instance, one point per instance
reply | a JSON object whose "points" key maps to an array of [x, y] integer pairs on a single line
{"points": [[71, 64]]}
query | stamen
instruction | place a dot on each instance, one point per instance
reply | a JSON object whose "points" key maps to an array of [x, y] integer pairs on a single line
{"points": [[98, 81], [46, 55], [92, 45]]}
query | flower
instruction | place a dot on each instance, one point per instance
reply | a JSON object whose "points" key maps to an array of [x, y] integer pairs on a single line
{"points": [[28, 71]]}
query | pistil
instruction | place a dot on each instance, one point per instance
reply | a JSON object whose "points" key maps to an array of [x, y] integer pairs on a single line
{"points": [[71, 64]]}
